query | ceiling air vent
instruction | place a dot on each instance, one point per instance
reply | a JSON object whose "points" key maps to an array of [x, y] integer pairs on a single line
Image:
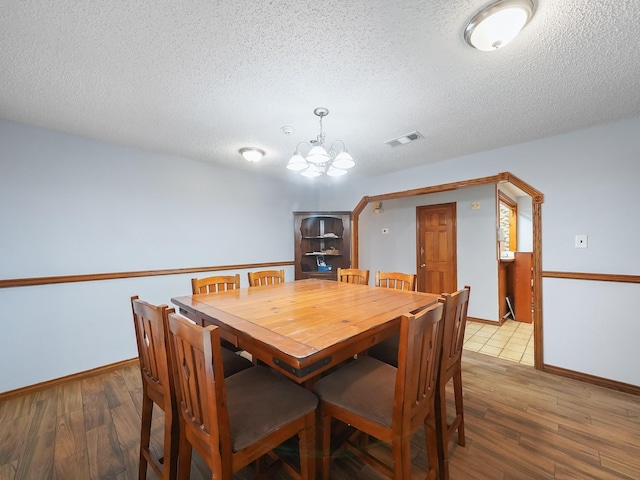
{"points": [[404, 139]]}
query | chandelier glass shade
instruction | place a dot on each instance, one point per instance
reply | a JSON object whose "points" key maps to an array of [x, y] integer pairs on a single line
{"points": [[333, 161]]}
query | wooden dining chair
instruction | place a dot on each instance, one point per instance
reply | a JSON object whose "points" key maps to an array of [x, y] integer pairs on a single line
{"points": [[397, 280], [157, 388], [218, 283], [353, 275], [150, 324], [455, 320], [231, 422], [215, 284], [388, 403], [266, 277], [387, 350]]}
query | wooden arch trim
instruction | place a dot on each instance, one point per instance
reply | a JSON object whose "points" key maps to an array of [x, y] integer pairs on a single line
{"points": [[505, 177], [537, 198]]}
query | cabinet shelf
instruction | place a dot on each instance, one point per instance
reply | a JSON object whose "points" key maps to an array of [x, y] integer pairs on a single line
{"points": [[322, 238]]}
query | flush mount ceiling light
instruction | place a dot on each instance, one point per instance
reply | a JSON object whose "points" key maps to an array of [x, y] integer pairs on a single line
{"points": [[318, 160], [498, 24], [252, 154]]}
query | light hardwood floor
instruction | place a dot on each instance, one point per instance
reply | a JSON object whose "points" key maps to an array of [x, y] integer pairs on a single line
{"points": [[520, 424]]}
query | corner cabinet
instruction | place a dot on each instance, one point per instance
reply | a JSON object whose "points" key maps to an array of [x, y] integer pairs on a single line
{"points": [[322, 243]]}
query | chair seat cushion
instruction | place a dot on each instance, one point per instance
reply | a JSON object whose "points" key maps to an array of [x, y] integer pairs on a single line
{"points": [[365, 387], [387, 350], [260, 401], [233, 363]]}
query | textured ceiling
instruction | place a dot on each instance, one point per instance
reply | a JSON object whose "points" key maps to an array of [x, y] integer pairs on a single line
{"points": [[202, 79]]}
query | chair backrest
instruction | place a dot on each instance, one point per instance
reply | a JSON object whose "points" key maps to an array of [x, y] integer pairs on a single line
{"points": [[214, 284], [353, 275], [150, 327], [200, 388], [418, 363], [266, 277], [455, 320], [397, 280]]}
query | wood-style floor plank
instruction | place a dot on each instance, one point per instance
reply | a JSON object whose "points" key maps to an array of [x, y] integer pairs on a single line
{"points": [[69, 398], [37, 461], [8, 471], [520, 425], [73, 466], [12, 437], [105, 457], [126, 420], [15, 407], [96, 410], [70, 435]]}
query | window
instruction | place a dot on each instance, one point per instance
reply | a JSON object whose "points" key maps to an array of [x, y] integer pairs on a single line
{"points": [[507, 221]]}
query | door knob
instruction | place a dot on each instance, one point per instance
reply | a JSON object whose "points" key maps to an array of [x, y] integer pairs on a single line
{"points": [[423, 265]]}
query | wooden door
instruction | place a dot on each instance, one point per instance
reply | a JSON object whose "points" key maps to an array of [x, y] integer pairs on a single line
{"points": [[437, 256]]}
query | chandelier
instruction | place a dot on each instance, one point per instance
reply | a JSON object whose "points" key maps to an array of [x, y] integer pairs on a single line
{"points": [[319, 160]]}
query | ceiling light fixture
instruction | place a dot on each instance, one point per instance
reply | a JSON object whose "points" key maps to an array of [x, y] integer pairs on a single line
{"points": [[318, 160], [252, 154], [498, 24]]}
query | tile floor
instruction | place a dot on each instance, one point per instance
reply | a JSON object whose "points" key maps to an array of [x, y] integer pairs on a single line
{"points": [[511, 341]]}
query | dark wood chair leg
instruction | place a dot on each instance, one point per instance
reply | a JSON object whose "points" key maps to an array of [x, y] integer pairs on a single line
{"points": [[442, 429], [457, 389], [307, 447], [184, 457], [325, 432], [171, 435], [431, 436], [145, 435]]}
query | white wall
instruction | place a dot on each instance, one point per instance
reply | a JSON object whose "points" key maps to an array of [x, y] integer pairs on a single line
{"points": [[525, 224], [590, 180], [605, 315], [476, 242], [71, 205]]}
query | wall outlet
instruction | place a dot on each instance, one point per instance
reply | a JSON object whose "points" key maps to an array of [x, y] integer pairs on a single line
{"points": [[581, 241]]}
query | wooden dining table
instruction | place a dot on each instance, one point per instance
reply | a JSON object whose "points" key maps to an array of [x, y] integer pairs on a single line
{"points": [[305, 327]]}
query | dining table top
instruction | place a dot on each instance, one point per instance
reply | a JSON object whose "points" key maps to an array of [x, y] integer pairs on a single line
{"points": [[306, 326]]}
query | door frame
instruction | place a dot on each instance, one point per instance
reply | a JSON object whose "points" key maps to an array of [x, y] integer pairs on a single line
{"points": [[537, 198]]}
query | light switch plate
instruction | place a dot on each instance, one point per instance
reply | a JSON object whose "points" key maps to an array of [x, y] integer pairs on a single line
{"points": [[581, 241]]}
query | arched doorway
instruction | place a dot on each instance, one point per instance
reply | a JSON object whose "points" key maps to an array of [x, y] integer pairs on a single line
{"points": [[504, 177]]}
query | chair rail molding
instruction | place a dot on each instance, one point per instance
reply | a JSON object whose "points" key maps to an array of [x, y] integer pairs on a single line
{"points": [[27, 282]]}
